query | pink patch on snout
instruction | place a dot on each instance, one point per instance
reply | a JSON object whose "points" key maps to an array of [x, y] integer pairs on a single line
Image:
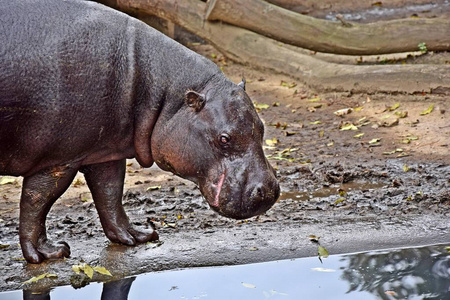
{"points": [[218, 189]]}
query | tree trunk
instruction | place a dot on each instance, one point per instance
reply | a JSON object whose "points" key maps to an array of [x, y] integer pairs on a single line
{"points": [[247, 47], [332, 37]]}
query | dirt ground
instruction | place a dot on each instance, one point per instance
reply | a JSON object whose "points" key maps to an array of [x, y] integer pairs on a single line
{"points": [[361, 172]]}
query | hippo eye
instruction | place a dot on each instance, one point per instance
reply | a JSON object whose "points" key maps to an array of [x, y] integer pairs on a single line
{"points": [[224, 139]]}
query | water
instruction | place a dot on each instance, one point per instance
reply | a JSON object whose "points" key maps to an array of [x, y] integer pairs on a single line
{"points": [[413, 273]]}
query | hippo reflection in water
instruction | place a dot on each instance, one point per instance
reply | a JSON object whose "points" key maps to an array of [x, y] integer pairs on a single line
{"points": [[84, 87]]}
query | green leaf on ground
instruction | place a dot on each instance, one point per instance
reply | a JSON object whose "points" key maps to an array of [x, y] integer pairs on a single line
{"points": [[428, 110], [323, 252], [7, 180], [39, 277]]}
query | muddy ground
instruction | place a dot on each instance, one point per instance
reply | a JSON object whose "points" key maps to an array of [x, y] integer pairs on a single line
{"points": [[385, 184]]}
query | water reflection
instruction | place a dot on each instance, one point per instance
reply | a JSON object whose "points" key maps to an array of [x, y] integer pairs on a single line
{"points": [[424, 272], [415, 273]]}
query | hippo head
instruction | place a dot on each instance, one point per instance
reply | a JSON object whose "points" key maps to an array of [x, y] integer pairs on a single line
{"points": [[215, 140]]}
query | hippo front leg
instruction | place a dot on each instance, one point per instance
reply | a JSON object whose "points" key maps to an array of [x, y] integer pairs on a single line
{"points": [[39, 193], [105, 180]]}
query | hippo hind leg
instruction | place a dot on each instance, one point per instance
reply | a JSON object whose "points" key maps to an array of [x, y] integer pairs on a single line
{"points": [[106, 180], [39, 193]]}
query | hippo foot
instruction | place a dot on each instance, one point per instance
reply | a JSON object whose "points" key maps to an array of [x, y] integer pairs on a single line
{"points": [[44, 250], [131, 236]]}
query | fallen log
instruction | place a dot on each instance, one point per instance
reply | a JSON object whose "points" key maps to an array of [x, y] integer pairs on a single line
{"points": [[247, 47], [343, 37]]}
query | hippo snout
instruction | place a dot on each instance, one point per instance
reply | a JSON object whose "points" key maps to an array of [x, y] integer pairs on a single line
{"points": [[233, 197]]}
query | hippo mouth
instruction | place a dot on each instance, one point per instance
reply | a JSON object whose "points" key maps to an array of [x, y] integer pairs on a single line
{"points": [[239, 198], [218, 187]]}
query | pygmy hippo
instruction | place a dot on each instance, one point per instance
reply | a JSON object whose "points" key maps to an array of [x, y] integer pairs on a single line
{"points": [[84, 87]]}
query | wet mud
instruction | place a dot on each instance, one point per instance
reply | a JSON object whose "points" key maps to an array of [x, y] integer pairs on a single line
{"points": [[385, 184]]}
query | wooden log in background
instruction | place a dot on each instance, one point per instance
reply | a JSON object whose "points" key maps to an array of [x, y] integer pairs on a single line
{"points": [[332, 37], [247, 47]]}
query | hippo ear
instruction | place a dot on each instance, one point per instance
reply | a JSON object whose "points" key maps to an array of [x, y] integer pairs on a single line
{"points": [[242, 83], [195, 100]]}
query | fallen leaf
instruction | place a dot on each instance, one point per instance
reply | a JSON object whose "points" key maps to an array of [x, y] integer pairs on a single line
{"points": [[7, 180], [288, 133], [406, 168], [276, 104], [401, 114], [260, 106], [348, 126], [315, 123], [358, 135], [323, 252], [248, 285], [374, 141], [428, 110], [39, 277], [321, 133], [313, 238], [330, 144], [288, 85], [85, 268], [271, 142], [339, 201], [154, 188], [102, 270], [393, 107], [343, 112], [314, 99], [4, 246], [358, 108]]}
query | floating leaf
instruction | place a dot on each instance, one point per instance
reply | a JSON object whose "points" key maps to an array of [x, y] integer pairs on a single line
{"points": [[102, 270], [391, 293], [253, 249], [7, 180], [42, 276], [349, 126], [315, 123], [248, 285], [323, 270], [323, 252], [4, 246], [358, 135], [428, 110]]}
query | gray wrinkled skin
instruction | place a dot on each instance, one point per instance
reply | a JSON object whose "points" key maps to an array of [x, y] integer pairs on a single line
{"points": [[83, 87]]}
